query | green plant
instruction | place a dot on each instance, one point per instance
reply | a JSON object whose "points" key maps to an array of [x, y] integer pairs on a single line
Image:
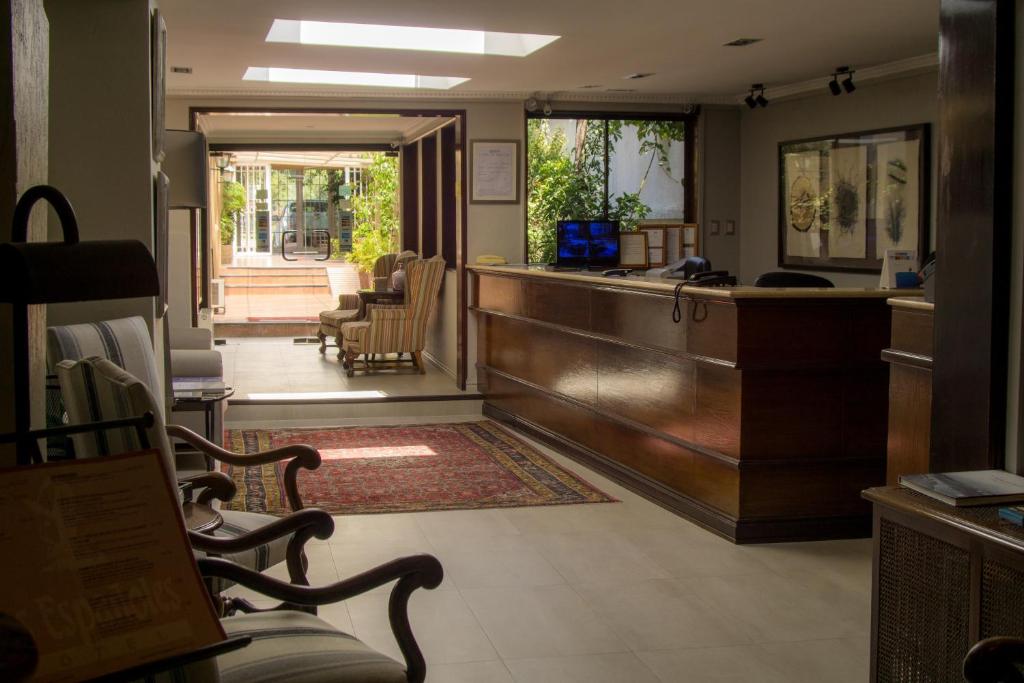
{"points": [[375, 213], [232, 202]]}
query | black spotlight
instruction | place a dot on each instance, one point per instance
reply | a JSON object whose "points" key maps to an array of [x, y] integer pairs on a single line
{"points": [[848, 85], [761, 99], [754, 101], [833, 85], [749, 99]]}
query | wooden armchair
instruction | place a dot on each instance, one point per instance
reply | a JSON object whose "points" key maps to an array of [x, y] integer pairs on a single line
{"points": [[97, 389], [397, 329], [995, 660]]}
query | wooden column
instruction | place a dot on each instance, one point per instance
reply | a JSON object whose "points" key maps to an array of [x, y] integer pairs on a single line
{"points": [[410, 163], [428, 195], [974, 220]]}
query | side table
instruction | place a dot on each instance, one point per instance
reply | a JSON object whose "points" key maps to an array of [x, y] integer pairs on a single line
{"points": [[201, 394], [201, 518]]}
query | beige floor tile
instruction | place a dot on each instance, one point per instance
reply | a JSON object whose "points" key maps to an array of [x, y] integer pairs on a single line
{"points": [[544, 621], [459, 525], [847, 562], [336, 614], [495, 562], [444, 626], [600, 668], [358, 529], [738, 664], [837, 661], [468, 672], [694, 552], [778, 609], [661, 615], [596, 556], [354, 558]]}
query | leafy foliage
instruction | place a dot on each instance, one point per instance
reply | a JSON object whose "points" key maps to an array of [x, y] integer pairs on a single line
{"points": [[375, 213], [565, 184], [232, 201]]}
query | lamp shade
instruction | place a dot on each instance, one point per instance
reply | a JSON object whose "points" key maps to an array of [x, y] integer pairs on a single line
{"points": [[58, 272], [185, 163]]}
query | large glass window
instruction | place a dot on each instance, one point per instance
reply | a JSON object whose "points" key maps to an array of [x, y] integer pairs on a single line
{"points": [[599, 167]]}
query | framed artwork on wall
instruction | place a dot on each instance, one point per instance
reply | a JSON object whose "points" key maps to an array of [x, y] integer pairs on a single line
{"points": [[844, 199], [494, 171]]}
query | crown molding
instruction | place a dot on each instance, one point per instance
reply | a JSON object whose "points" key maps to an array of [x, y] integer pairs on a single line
{"points": [[882, 72], [450, 96]]}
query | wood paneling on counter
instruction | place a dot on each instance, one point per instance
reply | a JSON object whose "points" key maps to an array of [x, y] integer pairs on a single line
{"points": [[760, 418], [910, 391]]}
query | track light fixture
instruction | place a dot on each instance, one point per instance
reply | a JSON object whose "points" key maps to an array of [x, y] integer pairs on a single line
{"points": [[834, 85], [754, 101]]}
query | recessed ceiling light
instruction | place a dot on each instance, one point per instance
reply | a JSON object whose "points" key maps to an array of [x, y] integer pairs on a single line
{"points": [[620, 89], [275, 74], [406, 38], [181, 69], [637, 76], [590, 86], [742, 42]]}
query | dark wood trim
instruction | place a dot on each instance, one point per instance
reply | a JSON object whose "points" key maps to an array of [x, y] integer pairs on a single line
{"points": [[355, 401], [449, 248], [974, 224], [410, 183], [763, 530], [428, 196], [300, 147], [193, 242], [461, 273], [691, 181]]}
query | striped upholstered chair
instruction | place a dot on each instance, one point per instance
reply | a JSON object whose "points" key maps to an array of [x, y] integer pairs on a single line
{"points": [[289, 642], [397, 329], [350, 306], [242, 536]]}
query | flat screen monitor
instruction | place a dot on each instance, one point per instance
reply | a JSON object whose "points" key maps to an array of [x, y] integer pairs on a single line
{"points": [[588, 244]]}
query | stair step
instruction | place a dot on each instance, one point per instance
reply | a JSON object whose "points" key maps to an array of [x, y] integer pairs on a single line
{"points": [[274, 270], [266, 327], [267, 290], [241, 414], [284, 280]]}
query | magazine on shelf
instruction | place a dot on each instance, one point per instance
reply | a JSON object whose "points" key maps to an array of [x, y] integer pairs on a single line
{"points": [[979, 487]]}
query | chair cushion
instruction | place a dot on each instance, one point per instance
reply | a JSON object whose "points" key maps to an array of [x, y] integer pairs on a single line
{"points": [[355, 332], [238, 523], [301, 648], [336, 317]]}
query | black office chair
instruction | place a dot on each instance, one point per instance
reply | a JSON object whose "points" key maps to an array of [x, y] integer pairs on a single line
{"points": [[788, 279], [695, 264]]}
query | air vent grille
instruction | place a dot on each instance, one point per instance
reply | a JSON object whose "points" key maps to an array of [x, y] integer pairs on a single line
{"points": [[743, 42]]}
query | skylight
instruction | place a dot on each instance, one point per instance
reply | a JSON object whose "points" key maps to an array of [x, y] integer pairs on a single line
{"points": [[275, 74], [407, 38]]}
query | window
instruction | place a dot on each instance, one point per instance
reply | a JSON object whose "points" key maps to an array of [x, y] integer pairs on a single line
{"points": [[626, 168]]}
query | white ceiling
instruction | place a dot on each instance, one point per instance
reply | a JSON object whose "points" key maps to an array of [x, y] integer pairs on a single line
{"points": [[681, 41], [318, 128]]}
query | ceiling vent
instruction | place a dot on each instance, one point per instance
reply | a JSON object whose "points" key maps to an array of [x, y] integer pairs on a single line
{"points": [[743, 42], [620, 90], [637, 76], [181, 69], [588, 87]]}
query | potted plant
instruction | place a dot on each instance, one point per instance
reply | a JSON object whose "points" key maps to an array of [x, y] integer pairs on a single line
{"points": [[232, 202], [375, 215]]}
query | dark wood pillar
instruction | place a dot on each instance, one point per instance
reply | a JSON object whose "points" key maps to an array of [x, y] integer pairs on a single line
{"points": [[973, 222], [428, 195], [410, 220]]}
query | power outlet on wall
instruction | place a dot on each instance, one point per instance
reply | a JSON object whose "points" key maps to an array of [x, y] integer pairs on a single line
{"points": [[716, 227], [730, 227]]}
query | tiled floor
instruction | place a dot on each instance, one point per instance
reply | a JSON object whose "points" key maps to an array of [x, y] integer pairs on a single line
{"points": [[608, 592], [278, 366]]}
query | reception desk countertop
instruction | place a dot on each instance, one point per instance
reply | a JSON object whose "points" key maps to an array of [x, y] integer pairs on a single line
{"points": [[665, 285]]}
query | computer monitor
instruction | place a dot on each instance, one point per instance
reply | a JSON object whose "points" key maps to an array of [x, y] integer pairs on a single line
{"points": [[588, 244]]}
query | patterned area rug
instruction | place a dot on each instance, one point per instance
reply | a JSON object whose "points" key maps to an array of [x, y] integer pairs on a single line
{"points": [[412, 468]]}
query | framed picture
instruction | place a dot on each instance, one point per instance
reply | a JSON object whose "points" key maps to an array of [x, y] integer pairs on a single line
{"points": [[494, 171], [669, 241], [158, 65], [657, 242], [633, 249], [844, 199]]}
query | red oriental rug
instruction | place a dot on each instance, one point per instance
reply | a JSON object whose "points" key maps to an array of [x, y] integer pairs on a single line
{"points": [[411, 468]]}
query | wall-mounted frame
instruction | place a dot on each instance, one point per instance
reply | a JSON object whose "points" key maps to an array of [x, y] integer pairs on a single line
{"points": [[494, 171], [670, 241], [633, 250], [844, 199]]}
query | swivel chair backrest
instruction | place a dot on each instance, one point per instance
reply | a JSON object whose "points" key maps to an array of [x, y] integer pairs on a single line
{"points": [[695, 264], [787, 279]]}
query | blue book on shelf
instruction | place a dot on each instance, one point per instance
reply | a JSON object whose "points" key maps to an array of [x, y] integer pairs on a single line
{"points": [[1014, 514]]}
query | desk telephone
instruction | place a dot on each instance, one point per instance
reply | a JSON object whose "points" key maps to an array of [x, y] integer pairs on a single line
{"points": [[696, 271]]}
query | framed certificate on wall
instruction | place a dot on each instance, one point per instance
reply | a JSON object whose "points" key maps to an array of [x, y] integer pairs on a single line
{"points": [[494, 171]]}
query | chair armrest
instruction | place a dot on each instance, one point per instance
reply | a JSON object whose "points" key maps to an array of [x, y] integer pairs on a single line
{"points": [[197, 338], [214, 484], [994, 659], [412, 572], [302, 526], [301, 456]]}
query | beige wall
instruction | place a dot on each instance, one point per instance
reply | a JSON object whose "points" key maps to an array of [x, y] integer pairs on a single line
{"points": [[718, 181], [898, 102]]}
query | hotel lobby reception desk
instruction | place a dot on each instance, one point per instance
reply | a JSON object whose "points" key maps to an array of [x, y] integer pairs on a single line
{"points": [[761, 414]]}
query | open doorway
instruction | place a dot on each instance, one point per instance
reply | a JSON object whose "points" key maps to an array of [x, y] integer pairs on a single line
{"points": [[303, 203]]}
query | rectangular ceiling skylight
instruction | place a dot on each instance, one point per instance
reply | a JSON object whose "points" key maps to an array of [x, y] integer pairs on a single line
{"points": [[275, 74], [407, 38]]}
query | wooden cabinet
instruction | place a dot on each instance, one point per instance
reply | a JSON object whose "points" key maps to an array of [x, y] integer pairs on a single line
{"points": [[910, 388], [943, 579], [760, 414]]}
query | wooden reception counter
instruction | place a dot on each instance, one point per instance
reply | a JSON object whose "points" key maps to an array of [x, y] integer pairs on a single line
{"points": [[761, 414]]}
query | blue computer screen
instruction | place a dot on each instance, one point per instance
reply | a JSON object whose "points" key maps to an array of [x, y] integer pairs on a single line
{"points": [[588, 243]]}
